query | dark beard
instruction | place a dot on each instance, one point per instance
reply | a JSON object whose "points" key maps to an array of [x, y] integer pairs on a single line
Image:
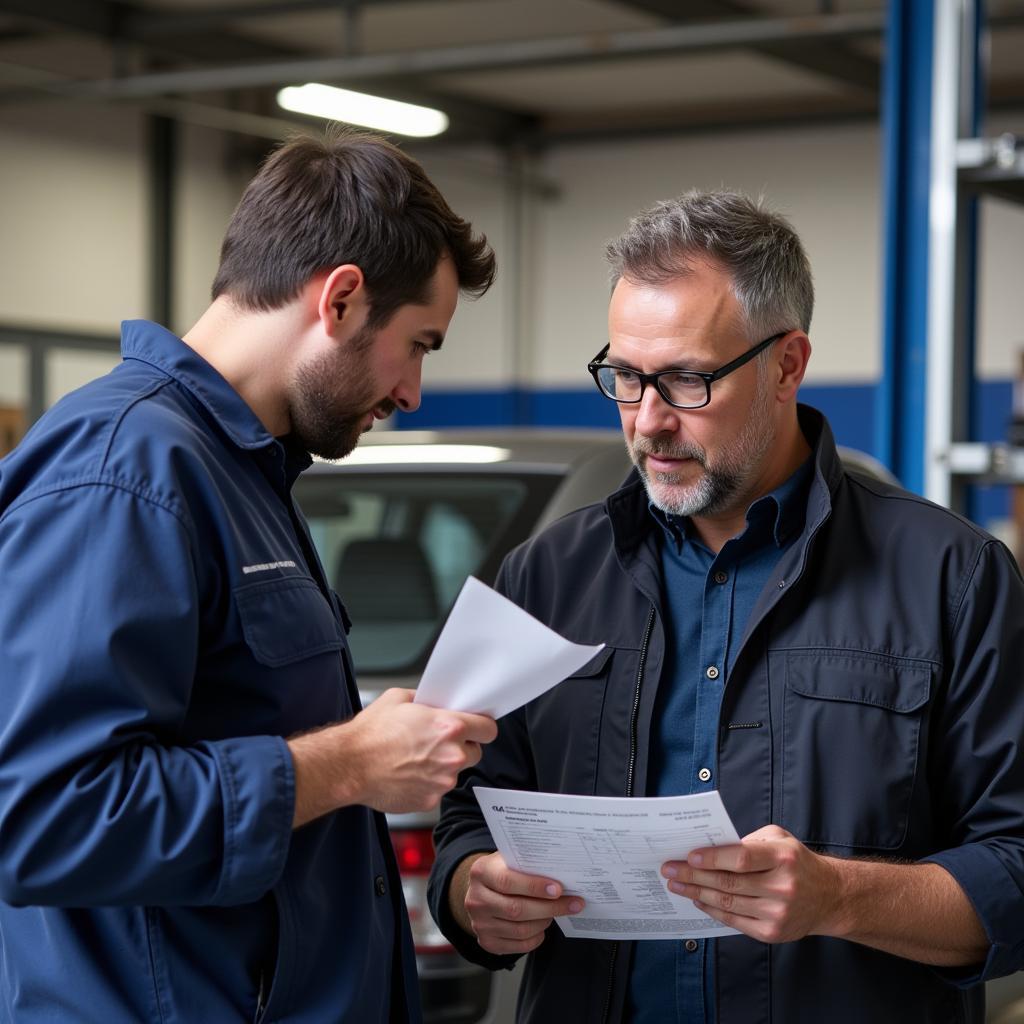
{"points": [[330, 399]]}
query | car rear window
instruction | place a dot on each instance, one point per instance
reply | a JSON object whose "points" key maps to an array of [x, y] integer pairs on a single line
{"points": [[397, 548]]}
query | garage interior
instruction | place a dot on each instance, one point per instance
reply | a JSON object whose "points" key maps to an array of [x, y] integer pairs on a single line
{"points": [[891, 134]]}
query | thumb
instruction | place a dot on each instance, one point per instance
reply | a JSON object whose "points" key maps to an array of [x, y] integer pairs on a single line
{"points": [[395, 696], [765, 833]]}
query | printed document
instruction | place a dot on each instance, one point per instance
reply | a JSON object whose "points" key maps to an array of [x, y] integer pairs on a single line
{"points": [[609, 850]]}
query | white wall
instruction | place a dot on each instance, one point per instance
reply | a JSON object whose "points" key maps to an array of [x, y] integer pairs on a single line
{"points": [[208, 185], [1000, 258], [72, 217], [480, 346], [73, 222], [824, 180]]}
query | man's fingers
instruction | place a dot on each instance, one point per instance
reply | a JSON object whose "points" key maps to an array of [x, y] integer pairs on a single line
{"points": [[394, 696], [472, 752], [498, 944], [518, 909], [753, 855], [738, 883], [477, 728], [733, 902], [494, 873], [515, 909]]}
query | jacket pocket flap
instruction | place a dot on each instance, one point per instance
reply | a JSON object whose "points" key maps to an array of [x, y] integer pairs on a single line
{"points": [[287, 620], [896, 684], [595, 666]]}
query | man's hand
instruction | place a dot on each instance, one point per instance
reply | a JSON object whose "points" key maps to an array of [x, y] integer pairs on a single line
{"points": [[393, 756], [773, 888], [770, 886], [507, 911]]}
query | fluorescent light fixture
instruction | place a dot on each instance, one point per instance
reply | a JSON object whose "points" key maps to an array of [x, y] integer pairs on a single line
{"points": [[418, 454], [335, 104]]}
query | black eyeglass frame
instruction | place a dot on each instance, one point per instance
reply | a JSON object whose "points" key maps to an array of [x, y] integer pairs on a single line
{"points": [[654, 379]]}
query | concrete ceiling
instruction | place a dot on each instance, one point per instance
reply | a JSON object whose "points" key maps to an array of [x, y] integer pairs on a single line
{"points": [[507, 71]]}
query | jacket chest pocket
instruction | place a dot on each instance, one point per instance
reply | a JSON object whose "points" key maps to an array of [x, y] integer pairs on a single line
{"points": [[565, 728], [852, 726], [287, 620]]}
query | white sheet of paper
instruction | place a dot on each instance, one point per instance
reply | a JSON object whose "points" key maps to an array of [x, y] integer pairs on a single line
{"points": [[609, 850], [492, 657]]}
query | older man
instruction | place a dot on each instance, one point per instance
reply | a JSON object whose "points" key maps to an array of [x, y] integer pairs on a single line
{"points": [[841, 659]]}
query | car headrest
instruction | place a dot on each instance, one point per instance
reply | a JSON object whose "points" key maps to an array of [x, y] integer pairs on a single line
{"points": [[386, 580]]}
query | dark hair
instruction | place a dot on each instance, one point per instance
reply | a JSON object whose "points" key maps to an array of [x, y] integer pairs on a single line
{"points": [[771, 274], [345, 197]]}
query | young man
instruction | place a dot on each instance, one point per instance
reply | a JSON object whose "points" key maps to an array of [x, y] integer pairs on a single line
{"points": [[841, 659], [189, 791]]}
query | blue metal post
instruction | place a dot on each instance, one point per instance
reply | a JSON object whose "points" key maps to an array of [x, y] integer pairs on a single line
{"points": [[906, 115]]}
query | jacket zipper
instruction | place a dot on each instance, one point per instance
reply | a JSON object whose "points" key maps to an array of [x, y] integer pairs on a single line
{"points": [[630, 771]]}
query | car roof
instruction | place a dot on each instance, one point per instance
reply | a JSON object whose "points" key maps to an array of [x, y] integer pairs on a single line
{"points": [[538, 449]]}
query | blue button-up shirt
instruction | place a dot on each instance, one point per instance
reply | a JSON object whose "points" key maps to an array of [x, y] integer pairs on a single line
{"points": [[708, 599], [165, 623]]}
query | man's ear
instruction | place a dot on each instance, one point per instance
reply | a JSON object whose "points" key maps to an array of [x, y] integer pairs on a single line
{"points": [[342, 304], [794, 354]]}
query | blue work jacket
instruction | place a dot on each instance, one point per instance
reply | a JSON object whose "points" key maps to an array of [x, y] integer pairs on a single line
{"points": [[874, 709], [164, 624]]}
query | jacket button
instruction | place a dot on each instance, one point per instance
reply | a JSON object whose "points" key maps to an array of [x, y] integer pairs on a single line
{"points": [[721, 577], [690, 945], [378, 884], [712, 672], [704, 774]]}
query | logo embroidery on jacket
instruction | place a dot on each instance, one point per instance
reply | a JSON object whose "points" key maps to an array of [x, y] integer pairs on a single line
{"points": [[266, 566]]}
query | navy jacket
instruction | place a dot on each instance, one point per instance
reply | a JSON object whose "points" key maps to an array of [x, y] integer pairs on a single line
{"points": [[164, 623], [875, 709]]}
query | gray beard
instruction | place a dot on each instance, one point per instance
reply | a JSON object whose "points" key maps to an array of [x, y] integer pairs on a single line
{"points": [[719, 486]]}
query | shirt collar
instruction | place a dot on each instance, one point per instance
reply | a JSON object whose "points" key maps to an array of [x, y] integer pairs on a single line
{"points": [[778, 515], [153, 344]]}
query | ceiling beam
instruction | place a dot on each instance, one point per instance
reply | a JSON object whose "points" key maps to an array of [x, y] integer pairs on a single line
{"points": [[705, 118], [146, 22], [117, 24], [831, 59], [672, 39], [96, 17]]}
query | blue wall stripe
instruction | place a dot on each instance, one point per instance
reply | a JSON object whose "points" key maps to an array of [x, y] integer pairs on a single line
{"points": [[850, 408]]}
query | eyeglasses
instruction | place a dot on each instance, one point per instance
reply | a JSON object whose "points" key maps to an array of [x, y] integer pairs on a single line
{"points": [[683, 389]]}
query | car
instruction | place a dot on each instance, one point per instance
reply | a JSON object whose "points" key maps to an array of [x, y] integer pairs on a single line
{"points": [[399, 524]]}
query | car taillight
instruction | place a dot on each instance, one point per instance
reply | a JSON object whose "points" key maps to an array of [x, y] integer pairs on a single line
{"points": [[414, 850]]}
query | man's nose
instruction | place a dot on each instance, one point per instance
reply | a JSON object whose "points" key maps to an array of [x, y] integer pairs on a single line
{"points": [[654, 415], [407, 392]]}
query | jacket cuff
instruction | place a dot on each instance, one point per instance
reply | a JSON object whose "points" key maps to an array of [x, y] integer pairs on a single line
{"points": [[257, 785], [455, 852], [986, 882]]}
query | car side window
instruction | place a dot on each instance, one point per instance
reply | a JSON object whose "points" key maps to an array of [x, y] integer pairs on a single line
{"points": [[453, 548]]}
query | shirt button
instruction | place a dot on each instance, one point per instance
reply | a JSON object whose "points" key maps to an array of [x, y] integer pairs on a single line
{"points": [[378, 884], [690, 945], [721, 577], [704, 775], [712, 672]]}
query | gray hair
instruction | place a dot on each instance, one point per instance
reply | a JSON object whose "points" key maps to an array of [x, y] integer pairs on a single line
{"points": [[771, 275]]}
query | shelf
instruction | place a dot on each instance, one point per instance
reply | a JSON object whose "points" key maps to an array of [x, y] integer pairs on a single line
{"points": [[993, 167], [986, 463]]}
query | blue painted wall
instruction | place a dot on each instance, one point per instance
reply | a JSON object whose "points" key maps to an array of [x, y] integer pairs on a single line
{"points": [[850, 408]]}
